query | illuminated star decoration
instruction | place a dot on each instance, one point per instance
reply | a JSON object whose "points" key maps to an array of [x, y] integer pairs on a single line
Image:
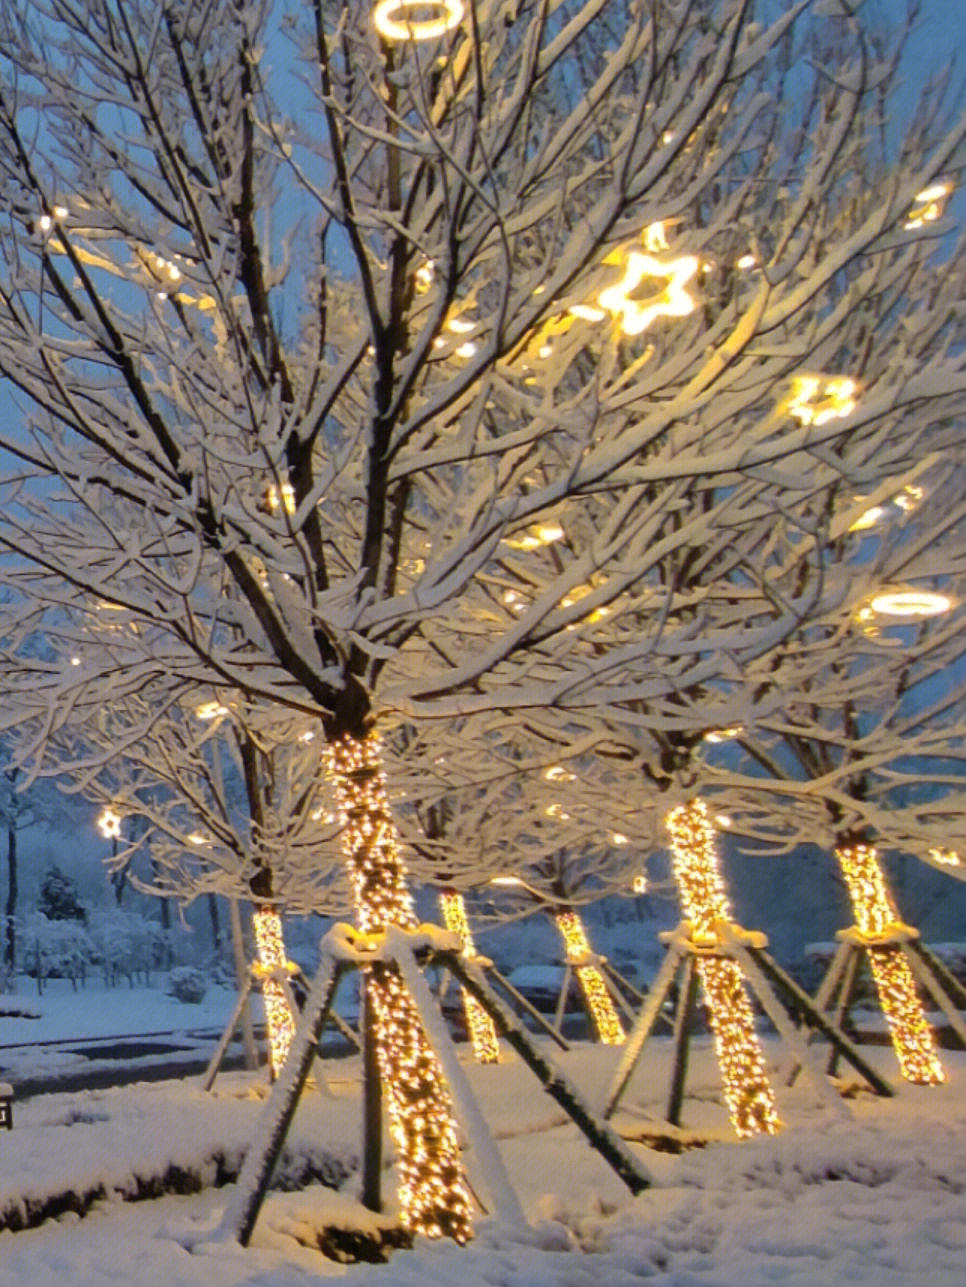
{"points": [[816, 399], [674, 300], [391, 18]]}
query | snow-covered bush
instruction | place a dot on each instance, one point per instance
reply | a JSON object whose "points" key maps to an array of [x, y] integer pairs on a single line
{"points": [[54, 949], [187, 984]]}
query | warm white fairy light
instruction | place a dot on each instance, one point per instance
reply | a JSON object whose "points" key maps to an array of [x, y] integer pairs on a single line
{"points": [[910, 497], [271, 969], [109, 824], [816, 399], [536, 536], [610, 1030], [557, 773], [875, 918], [868, 518], [639, 884], [433, 1197], [747, 1091], [910, 603], [279, 498], [930, 205], [715, 735], [395, 19], [479, 1025], [673, 300]]}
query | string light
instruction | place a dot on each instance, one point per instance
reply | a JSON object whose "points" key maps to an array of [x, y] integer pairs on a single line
{"points": [[816, 399], [747, 1091], [672, 301], [876, 918], [109, 824], [271, 968], [486, 1048], [277, 499], [539, 534], [391, 18], [715, 735], [609, 1028], [639, 884], [433, 1197]]}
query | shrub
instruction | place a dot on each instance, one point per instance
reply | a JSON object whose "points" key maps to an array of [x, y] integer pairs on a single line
{"points": [[187, 984]]}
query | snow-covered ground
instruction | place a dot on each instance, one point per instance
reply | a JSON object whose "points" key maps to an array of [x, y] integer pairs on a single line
{"points": [[876, 1197]]}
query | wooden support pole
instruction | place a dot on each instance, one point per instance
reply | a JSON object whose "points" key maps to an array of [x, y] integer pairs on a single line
{"points": [[276, 1116], [215, 1062], [371, 1190], [952, 985], [519, 999], [846, 999], [815, 1018], [600, 1136], [682, 1039], [642, 1030], [932, 985]]}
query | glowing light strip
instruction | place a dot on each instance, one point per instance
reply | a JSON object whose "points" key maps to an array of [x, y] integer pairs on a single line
{"points": [[610, 1030], [673, 301], [486, 1048], [390, 20], [747, 1090], [270, 968], [875, 915], [433, 1197]]}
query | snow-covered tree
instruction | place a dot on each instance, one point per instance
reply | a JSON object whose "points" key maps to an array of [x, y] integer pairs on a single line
{"points": [[379, 372]]}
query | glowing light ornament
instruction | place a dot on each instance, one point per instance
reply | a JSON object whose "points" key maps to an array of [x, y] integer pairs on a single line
{"points": [[479, 1025], [396, 20], [609, 1028], [747, 1091], [109, 824], [432, 1194], [930, 205], [673, 300], [878, 922], [946, 857], [910, 603], [271, 969], [816, 399]]}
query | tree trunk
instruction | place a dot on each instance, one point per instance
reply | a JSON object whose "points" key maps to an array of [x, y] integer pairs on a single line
{"points": [[876, 918], [215, 920], [10, 935], [747, 1091], [433, 1195]]}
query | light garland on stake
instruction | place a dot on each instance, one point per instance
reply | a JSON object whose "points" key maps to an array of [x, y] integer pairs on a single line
{"points": [[747, 1091], [610, 1030], [432, 1193], [483, 1038], [875, 917], [270, 968]]}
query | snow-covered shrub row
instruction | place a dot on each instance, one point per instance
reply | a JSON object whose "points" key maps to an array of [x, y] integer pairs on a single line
{"points": [[121, 944]]}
